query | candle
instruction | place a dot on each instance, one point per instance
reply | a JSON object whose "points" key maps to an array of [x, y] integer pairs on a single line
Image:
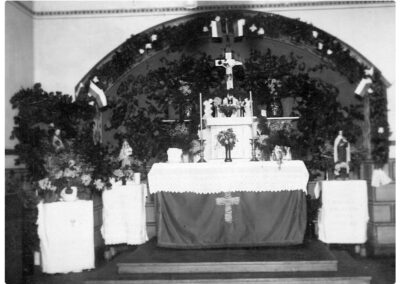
{"points": [[253, 128], [251, 102], [201, 118]]}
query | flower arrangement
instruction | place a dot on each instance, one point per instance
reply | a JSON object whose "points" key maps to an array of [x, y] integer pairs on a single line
{"points": [[67, 175], [227, 138], [227, 110], [180, 136]]}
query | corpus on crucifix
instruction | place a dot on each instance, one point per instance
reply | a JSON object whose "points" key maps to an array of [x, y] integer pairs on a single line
{"points": [[228, 63]]}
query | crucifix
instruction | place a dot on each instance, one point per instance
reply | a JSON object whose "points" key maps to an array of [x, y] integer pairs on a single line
{"points": [[228, 63], [228, 201]]}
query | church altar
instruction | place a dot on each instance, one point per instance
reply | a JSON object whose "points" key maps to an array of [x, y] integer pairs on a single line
{"points": [[205, 205]]}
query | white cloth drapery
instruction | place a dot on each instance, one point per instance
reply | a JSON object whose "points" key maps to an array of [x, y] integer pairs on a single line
{"points": [[227, 177], [65, 231], [343, 216], [124, 214]]}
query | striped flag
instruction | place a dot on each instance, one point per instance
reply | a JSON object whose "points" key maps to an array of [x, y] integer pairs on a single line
{"points": [[98, 94], [363, 87], [238, 29]]}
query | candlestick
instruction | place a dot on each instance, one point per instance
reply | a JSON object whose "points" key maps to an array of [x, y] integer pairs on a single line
{"points": [[253, 150], [201, 117], [202, 160]]}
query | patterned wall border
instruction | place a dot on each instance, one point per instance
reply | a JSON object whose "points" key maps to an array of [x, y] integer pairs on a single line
{"points": [[282, 5]]}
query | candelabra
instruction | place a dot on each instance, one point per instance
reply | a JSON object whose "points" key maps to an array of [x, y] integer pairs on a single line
{"points": [[202, 160], [253, 150]]}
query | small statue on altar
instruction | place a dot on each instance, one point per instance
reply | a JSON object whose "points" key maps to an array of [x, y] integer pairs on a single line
{"points": [[230, 100], [341, 156], [56, 141], [208, 108], [124, 154], [247, 107]]}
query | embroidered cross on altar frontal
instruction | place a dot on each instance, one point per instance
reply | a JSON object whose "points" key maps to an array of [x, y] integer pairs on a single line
{"points": [[228, 201]]}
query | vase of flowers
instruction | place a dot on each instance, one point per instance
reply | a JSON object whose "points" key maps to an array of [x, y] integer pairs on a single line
{"points": [[227, 138], [227, 110]]}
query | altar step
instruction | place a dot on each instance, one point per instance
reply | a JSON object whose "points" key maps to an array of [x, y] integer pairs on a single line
{"points": [[310, 263]]}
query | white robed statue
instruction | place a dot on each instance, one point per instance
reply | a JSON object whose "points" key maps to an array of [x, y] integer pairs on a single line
{"points": [[341, 154], [124, 154]]}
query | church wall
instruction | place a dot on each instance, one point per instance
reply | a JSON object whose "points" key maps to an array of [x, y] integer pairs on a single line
{"points": [[67, 47], [18, 64]]}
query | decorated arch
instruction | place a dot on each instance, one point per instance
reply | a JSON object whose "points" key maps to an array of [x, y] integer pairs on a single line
{"points": [[143, 80]]}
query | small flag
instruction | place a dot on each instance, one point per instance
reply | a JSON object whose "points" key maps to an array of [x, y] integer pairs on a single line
{"points": [[216, 29], [261, 31], [320, 46], [95, 79], [148, 46], [205, 29], [238, 27], [98, 94], [315, 34], [253, 28], [329, 52], [363, 86], [153, 37], [141, 51]]}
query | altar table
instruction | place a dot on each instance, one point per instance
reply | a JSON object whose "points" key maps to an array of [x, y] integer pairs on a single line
{"points": [[65, 230], [243, 204], [343, 217]]}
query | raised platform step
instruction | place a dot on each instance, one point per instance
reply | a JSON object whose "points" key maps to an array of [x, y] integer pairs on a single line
{"points": [[306, 280], [148, 258]]}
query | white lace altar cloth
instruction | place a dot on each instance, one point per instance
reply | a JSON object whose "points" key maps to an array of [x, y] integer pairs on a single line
{"points": [[124, 214], [65, 231], [343, 217], [228, 177]]}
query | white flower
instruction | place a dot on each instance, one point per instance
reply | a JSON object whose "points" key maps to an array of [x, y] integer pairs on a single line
{"points": [[381, 130], [86, 179], [69, 173], [43, 183], [153, 37], [58, 175], [141, 51], [99, 184], [118, 173]]}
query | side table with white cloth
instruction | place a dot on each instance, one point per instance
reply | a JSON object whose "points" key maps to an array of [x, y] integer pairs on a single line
{"points": [[65, 231], [218, 204], [343, 216], [124, 214]]}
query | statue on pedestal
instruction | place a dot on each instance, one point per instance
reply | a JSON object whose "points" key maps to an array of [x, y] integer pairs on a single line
{"points": [[341, 156], [247, 107]]}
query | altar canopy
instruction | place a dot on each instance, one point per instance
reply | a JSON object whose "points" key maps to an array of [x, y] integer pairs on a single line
{"points": [[230, 204]]}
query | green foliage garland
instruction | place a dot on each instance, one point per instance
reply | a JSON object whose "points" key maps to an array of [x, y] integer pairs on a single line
{"points": [[175, 38]]}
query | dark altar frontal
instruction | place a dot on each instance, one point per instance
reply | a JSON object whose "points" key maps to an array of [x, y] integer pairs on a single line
{"points": [[217, 205]]}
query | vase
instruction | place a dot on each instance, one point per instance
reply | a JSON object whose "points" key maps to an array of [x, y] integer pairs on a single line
{"points": [[275, 108], [228, 113], [186, 110], [228, 157]]}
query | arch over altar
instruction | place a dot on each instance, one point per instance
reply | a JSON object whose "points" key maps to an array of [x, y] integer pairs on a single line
{"points": [[143, 79]]}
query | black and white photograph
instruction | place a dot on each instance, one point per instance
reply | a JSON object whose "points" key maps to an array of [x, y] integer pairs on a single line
{"points": [[199, 142]]}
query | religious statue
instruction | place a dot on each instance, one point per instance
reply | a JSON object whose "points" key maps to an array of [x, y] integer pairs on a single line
{"points": [[230, 100], [56, 141], [341, 155], [208, 108], [124, 154]]}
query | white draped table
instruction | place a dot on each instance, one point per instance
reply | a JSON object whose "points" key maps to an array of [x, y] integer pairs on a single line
{"points": [[238, 204], [228, 177], [343, 217], [65, 231], [124, 214]]}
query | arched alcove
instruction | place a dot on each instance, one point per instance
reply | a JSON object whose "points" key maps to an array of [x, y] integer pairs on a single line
{"points": [[322, 57]]}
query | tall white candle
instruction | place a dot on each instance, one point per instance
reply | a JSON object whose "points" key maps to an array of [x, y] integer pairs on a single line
{"points": [[251, 102], [201, 117]]}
